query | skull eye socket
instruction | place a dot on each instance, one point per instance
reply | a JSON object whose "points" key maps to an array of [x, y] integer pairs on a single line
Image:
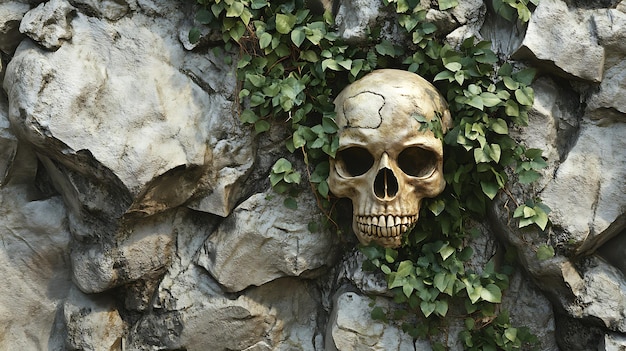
{"points": [[354, 161], [417, 162]]}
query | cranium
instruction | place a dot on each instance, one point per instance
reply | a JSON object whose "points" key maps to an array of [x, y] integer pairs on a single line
{"points": [[386, 164]]}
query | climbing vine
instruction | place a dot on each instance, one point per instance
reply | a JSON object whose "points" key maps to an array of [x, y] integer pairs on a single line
{"points": [[291, 64]]}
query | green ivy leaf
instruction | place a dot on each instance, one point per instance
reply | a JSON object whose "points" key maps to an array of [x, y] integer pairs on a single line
{"points": [[284, 23], [427, 308], [447, 4], [446, 251], [194, 35], [282, 165], [499, 126], [386, 48], [290, 203], [235, 9], [378, 314], [490, 99], [298, 36], [265, 40], [490, 189], [525, 96], [510, 334], [491, 293], [545, 252], [204, 16], [528, 176], [248, 116], [322, 188], [441, 308]]}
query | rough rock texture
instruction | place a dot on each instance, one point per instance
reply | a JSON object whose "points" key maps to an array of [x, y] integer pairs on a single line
{"points": [[552, 38], [135, 211]]}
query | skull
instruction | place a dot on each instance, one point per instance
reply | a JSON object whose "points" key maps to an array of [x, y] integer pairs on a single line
{"points": [[386, 164]]}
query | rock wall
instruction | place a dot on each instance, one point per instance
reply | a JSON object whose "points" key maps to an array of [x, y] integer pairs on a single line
{"points": [[135, 211]]}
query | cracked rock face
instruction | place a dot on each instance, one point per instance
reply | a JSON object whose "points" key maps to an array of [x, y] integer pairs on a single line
{"points": [[135, 213]]}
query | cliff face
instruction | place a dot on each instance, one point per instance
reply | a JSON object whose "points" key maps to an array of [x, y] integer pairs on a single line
{"points": [[135, 211]]}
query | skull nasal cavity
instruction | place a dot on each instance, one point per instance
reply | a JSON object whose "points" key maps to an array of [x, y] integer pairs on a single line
{"points": [[385, 184]]}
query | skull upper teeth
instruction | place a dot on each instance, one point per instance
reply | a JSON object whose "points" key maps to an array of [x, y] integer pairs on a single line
{"points": [[385, 225]]}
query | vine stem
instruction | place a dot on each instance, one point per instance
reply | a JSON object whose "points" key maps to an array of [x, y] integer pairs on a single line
{"points": [[314, 190]]}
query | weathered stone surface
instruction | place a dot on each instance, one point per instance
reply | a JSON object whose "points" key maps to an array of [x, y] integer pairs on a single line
{"points": [[528, 307], [262, 240], [355, 17], [92, 322], [11, 13], [602, 294], [34, 266], [609, 103], [49, 23], [351, 328], [134, 127], [53, 102], [109, 9], [613, 342], [553, 40], [585, 201], [8, 143], [280, 315], [610, 28]]}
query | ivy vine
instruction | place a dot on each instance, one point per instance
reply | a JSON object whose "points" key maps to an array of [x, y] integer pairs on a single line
{"points": [[292, 63]]}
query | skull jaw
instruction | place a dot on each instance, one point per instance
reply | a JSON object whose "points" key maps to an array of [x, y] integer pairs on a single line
{"points": [[390, 237]]}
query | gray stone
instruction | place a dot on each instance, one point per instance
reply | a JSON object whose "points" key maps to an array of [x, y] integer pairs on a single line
{"points": [[11, 13], [610, 27], [371, 283], [351, 327], [585, 201], [613, 342], [556, 33], [92, 322], [609, 103], [194, 314], [602, 294], [354, 18], [49, 23], [109, 9], [34, 267], [71, 112], [8, 143], [262, 240], [528, 307]]}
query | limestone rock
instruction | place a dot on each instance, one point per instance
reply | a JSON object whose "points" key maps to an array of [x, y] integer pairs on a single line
{"points": [[609, 103], [355, 17], [367, 282], [552, 39], [263, 240], [92, 322], [351, 327], [109, 9], [613, 342], [11, 13], [34, 266], [585, 201], [62, 107], [610, 27], [8, 143], [49, 23], [280, 315], [602, 294], [528, 307]]}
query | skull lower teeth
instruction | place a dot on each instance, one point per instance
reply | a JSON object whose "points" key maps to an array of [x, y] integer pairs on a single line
{"points": [[385, 225]]}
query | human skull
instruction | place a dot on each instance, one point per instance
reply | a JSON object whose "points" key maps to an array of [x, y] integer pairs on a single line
{"points": [[385, 163]]}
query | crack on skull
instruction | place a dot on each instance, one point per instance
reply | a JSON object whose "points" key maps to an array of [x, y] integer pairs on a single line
{"points": [[353, 105]]}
